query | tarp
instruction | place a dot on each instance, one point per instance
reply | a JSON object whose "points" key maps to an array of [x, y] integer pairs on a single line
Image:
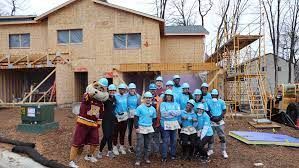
{"points": [[264, 138]]}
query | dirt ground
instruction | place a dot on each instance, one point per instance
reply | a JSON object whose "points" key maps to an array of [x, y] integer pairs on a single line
{"points": [[55, 145]]}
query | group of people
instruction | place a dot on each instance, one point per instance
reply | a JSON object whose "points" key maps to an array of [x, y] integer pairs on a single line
{"points": [[162, 118]]}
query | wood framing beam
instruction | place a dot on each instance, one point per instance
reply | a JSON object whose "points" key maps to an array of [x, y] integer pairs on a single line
{"points": [[37, 60], [167, 67], [20, 59], [220, 71], [43, 81]]}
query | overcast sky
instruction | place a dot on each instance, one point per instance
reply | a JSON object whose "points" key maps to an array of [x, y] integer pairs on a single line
{"points": [[37, 7]]}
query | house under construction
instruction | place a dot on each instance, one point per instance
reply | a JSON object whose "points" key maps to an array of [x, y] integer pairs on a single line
{"points": [[52, 57]]}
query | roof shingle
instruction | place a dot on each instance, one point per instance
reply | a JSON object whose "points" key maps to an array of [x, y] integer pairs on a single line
{"points": [[195, 29]]}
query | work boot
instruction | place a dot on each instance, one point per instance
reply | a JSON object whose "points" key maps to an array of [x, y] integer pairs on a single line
{"points": [[115, 150], [72, 164], [224, 154], [122, 150], [90, 158], [210, 152]]}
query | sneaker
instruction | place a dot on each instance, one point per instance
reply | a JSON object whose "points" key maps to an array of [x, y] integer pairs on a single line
{"points": [[99, 155], [173, 158], [131, 149], [225, 156], [137, 163], [115, 150], [210, 152], [164, 160], [91, 158], [122, 150], [110, 155], [147, 161], [72, 164]]}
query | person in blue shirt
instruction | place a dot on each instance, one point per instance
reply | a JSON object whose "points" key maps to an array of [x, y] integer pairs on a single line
{"points": [[121, 114], [217, 110], [169, 85], [170, 111], [204, 132], [133, 103], [177, 89], [197, 96], [205, 94], [145, 118], [185, 96], [188, 120]]}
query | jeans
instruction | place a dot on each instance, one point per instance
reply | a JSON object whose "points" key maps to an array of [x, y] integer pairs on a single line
{"points": [[156, 141], [219, 130], [169, 139], [143, 146]]}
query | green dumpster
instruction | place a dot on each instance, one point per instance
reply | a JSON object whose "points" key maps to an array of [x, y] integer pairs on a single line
{"points": [[37, 118]]}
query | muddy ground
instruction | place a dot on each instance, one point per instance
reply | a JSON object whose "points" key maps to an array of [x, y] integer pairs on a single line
{"points": [[55, 145]]}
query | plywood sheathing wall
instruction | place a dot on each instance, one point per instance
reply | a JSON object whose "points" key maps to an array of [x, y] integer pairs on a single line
{"points": [[99, 23], [11, 85], [64, 84]]}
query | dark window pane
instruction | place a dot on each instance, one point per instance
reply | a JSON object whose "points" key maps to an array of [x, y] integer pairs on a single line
{"points": [[14, 40], [25, 40], [76, 36], [63, 36], [134, 40], [119, 40]]}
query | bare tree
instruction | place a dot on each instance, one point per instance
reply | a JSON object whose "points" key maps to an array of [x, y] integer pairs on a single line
{"points": [[203, 8], [221, 27], [184, 15], [160, 8], [14, 5], [290, 32], [273, 15]]}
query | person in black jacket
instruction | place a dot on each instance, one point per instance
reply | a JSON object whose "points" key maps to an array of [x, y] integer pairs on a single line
{"points": [[108, 119]]}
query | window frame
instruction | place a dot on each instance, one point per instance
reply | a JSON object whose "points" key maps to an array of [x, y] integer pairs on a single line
{"points": [[20, 40], [279, 68], [69, 35], [126, 45]]}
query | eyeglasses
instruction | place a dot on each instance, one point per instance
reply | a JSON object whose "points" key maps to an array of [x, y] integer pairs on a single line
{"points": [[148, 98]]}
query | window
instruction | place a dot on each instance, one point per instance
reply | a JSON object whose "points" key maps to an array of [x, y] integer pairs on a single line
{"points": [[279, 68], [122, 41], [19, 40], [69, 36]]}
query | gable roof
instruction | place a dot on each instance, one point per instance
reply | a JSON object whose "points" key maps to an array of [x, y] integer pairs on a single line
{"points": [[185, 30], [46, 14]]}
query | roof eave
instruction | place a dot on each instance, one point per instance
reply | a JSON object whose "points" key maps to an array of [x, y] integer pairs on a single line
{"points": [[18, 22], [185, 34]]}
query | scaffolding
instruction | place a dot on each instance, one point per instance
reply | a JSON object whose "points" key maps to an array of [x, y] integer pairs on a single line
{"points": [[242, 58]]}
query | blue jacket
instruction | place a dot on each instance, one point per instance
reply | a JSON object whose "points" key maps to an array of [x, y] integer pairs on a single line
{"points": [[169, 112]]}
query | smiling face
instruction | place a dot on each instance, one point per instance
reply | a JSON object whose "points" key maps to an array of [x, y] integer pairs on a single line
{"points": [[122, 91], [159, 84], [177, 81], [185, 90], [168, 98], [204, 90], [153, 92], [132, 91], [112, 92], [169, 87], [200, 111], [189, 107], [148, 100], [197, 97]]}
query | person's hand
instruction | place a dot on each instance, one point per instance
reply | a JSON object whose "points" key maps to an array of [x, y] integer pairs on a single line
{"points": [[184, 118], [194, 119], [137, 130]]}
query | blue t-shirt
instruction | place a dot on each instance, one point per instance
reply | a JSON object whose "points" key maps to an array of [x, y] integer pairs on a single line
{"points": [[183, 99], [121, 104], [204, 121], [189, 121], [146, 115], [207, 97], [177, 90], [169, 112], [216, 108], [133, 101]]}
